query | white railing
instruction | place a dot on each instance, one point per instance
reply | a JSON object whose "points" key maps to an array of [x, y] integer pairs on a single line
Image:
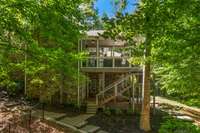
{"points": [[113, 62], [112, 89]]}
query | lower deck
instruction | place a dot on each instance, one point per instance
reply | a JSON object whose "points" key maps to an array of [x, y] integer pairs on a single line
{"points": [[98, 82]]}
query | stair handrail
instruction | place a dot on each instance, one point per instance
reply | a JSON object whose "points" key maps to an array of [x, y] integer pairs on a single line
{"points": [[110, 87], [116, 82]]}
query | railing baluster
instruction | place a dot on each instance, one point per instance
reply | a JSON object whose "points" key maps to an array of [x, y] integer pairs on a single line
{"points": [[97, 100], [114, 88]]}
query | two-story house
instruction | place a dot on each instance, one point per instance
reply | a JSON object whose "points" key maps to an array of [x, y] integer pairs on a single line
{"points": [[109, 71]]}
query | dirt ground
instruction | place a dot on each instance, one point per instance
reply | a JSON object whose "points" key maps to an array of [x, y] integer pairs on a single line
{"points": [[12, 118]]}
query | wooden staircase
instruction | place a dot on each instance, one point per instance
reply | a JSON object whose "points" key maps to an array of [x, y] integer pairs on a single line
{"points": [[114, 90], [91, 107]]}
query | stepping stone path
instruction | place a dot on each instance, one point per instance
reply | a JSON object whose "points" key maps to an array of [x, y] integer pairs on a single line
{"points": [[102, 131], [90, 128], [78, 123]]}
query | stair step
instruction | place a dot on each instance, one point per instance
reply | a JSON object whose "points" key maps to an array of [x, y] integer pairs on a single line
{"points": [[94, 110], [91, 113], [92, 106], [91, 109]]}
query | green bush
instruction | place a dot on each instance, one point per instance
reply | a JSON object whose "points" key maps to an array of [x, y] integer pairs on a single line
{"points": [[129, 111], [172, 125], [107, 111], [118, 111]]}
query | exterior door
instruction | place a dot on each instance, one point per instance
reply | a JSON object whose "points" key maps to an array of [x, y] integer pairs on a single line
{"points": [[93, 86]]}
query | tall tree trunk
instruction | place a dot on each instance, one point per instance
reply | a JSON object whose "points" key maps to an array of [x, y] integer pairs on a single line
{"points": [[145, 113], [62, 87]]}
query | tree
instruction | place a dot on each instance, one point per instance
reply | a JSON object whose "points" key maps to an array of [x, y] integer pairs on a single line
{"points": [[170, 31], [47, 32]]}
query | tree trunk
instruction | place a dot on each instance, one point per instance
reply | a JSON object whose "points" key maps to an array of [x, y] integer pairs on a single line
{"points": [[145, 114], [62, 87]]}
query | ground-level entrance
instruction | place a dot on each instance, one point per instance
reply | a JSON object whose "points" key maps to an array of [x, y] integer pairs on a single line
{"points": [[100, 81]]}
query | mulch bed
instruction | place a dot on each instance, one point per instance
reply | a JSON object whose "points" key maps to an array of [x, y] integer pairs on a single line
{"points": [[125, 123]]}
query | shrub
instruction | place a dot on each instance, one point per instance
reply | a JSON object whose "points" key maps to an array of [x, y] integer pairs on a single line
{"points": [[129, 111], [173, 125], [107, 111], [118, 111]]}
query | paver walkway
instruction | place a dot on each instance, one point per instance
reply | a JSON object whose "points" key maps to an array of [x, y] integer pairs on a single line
{"points": [[76, 122]]}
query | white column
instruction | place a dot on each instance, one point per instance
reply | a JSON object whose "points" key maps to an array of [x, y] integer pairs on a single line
{"points": [[113, 58], [97, 50], [78, 87], [103, 82], [81, 64], [25, 76], [115, 100], [133, 93]]}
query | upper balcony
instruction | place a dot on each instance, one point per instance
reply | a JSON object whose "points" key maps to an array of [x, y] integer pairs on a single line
{"points": [[104, 55]]}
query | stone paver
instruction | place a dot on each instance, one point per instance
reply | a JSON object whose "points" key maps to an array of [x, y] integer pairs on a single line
{"points": [[102, 131], [81, 124], [90, 128], [75, 120], [77, 123]]}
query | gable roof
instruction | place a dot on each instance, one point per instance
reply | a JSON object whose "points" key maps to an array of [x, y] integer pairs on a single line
{"points": [[94, 33]]}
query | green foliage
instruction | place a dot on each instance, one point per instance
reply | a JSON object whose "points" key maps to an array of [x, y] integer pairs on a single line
{"points": [[178, 126], [118, 111], [107, 111], [113, 111], [192, 101], [6, 82], [40, 41], [130, 111], [172, 29]]}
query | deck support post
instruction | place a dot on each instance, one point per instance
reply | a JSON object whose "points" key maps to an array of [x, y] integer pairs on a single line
{"points": [[123, 76], [78, 82], [113, 58], [133, 94], [103, 82], [87, 87], [97, 53]]}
